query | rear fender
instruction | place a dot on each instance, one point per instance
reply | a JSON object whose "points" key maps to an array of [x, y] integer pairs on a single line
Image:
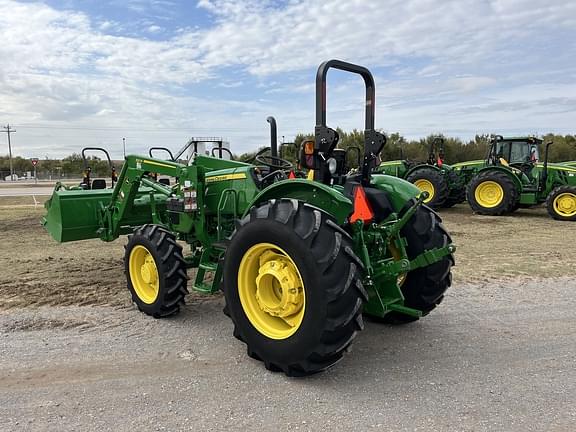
{"points": [[399, 191], [329, 199]]}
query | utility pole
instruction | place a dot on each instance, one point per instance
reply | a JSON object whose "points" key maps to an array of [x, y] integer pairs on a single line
{"points": [[124, 146], [7, 130]]}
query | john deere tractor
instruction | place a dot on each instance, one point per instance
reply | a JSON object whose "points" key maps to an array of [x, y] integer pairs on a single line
{"points": [[512, 177], [444, 187], [299, 261]]}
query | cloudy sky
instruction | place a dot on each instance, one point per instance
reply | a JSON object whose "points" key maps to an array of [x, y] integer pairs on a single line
{"points": [[77, 73]]}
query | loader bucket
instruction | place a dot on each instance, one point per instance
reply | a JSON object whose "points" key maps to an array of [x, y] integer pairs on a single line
{"points": [[74, 214]]}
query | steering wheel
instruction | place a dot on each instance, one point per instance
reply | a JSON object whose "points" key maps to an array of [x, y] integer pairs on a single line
{"points": [[523, 166], [273, 162]]}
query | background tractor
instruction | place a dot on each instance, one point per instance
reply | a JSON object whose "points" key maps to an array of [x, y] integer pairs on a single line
{"points": [[512, 177], [445, 188], [299, 261], [98, 183]]}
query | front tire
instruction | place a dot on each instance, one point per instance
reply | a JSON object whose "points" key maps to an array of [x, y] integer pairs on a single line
{"points": [[561, 203], [492, 193], [293, 287], [155, 271]]}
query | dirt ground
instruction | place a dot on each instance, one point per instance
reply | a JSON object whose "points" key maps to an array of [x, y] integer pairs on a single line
{"points": [[499, 354], [39, 271]]}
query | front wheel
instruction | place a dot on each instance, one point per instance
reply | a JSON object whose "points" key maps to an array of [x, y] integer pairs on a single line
{"points": [[293, 287], [561, 203], [155, 271], [492, 193]]}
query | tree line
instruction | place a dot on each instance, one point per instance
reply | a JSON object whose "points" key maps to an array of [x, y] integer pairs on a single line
{"points": [[70, 166], [397, 147], [455, 150]]}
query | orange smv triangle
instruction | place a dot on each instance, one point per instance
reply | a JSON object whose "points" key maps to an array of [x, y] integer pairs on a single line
{"points": [[362, 209], [291, 175]]}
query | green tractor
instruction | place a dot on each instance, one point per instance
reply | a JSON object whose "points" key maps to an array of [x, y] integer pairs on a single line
{"points": [[299, 261], [512, 177], [445, 188]]}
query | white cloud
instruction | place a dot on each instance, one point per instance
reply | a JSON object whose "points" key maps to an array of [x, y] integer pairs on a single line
{"points": [[452, 66], [154, 29]]}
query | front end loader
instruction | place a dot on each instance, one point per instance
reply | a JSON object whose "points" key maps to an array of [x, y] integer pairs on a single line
{"points": [[299, 261]]}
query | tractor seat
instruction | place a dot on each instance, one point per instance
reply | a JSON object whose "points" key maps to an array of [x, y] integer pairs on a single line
{"points": [[98, 184]]}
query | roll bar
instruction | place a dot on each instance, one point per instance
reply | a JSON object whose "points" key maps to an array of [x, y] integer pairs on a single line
{"points": [[84, 160], [87, 169], [326, 139], [221, 149], [167, 150], [347, 67]]}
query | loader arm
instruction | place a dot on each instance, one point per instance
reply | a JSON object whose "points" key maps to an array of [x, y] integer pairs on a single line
{"points": [[135, 176]]}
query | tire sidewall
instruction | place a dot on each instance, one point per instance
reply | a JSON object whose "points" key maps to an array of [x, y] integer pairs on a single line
{"points": [[421, 235], [309, 332], [504, 182], [550, 203], [437, 180], [148, 308]]}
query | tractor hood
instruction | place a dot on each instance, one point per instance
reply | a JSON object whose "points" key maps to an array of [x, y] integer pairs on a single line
{"points": [[570, 170], [460, 165]]}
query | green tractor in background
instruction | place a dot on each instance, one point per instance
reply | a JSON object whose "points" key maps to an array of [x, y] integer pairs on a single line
{"points": [[512, 177], [299, 261], [444, 187]]}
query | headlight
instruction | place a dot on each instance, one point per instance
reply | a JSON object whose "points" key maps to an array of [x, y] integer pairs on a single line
{"points": [[332, 165]]}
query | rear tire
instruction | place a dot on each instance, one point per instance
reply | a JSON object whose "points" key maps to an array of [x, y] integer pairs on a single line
{"points": [[330, 276], [492, 193], [423, 288], [433, 182], [561, 203], [155, 271]]}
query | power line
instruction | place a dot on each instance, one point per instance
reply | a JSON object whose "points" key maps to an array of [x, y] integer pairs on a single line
{"points": [[7, 130], [121, 128]]}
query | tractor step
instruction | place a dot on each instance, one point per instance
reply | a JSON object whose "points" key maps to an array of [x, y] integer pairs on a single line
{"points": [[208, 267]]}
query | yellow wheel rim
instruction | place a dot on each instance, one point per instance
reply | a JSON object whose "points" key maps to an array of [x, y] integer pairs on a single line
{"points": [[489, 194], [565, 204], [144, 274], [271, 291], [426, 186], [395, 252]]}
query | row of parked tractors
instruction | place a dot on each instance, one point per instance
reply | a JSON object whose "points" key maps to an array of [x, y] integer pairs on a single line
{"points": [[512, 176], [302, 253]]}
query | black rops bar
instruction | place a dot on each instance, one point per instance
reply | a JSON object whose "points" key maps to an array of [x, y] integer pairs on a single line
{"points": [[86, 180], [164, 149], [326, 139], [321, 90], [85, 161]]}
